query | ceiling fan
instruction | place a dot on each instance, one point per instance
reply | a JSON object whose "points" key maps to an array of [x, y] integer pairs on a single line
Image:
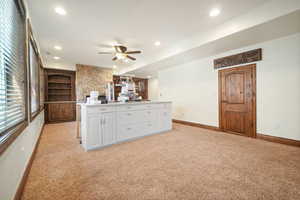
{"points": [[121, 53]]}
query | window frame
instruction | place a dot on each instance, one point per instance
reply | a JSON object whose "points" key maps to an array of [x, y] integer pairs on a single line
{"points": [[12, 133], [42, 70], [32, 41]]}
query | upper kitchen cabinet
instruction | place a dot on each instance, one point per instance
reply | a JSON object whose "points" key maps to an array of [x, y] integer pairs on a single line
{"points": [[60, 95]]}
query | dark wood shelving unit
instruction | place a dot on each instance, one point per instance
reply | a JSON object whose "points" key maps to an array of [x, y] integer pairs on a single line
{"points": [[59, 86], [60, 89]]}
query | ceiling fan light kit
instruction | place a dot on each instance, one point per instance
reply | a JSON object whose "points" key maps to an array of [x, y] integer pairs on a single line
{"points": [[121, 53]]}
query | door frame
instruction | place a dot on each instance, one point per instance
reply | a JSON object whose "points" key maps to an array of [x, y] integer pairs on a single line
{"points": [[253, 66]]}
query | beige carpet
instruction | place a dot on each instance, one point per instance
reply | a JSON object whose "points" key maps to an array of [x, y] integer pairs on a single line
{"points": [[186, 163]]}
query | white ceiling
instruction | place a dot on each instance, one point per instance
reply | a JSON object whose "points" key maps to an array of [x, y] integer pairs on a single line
{"points": [[273, 29], [90, 26]]}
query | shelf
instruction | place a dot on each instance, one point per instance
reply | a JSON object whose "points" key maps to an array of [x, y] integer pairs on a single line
{"points": [[60, 82], [56, 102], [56, 88], [63, 94]]}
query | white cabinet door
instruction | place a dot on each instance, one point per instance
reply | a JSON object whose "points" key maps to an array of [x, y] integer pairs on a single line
{"points": [[108, 126], [94, 138], [165, 119]]}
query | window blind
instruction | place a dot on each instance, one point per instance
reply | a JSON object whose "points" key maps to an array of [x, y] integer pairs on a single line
{"points": [[12, 66], [34, 78]]}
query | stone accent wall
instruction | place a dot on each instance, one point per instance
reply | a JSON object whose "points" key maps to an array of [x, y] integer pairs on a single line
{"points": [[89, 78]]}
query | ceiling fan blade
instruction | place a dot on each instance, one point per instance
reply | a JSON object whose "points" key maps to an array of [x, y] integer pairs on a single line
{"points": [[114, 58], [117, 48], [105, 52], [133, 52], [104, 46], [132, 58]]}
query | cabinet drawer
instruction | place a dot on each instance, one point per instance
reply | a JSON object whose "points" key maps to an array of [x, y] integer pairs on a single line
{"points": [[148, 106], [164, 105], [128, 108], [127, 132], [149, 127], [150, 115], [130, 117], [93, 110], [136, 107], [151, 106]]}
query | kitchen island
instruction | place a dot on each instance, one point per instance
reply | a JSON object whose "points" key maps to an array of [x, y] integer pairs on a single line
{"points": [[106, 124]]}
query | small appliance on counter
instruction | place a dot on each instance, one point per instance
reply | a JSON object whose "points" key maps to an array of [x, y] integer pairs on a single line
{"points": [[103, 99], [93, 99]]}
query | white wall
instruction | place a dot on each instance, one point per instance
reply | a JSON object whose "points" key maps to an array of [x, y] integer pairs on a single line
{"points": [[193, 88], [153, 88], [15, 158]]}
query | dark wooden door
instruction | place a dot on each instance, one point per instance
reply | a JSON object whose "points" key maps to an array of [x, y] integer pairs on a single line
{"points": [[237, 100]]}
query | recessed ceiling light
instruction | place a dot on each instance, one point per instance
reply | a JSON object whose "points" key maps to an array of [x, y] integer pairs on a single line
{"points": [[114, 67], [214, 12], [60, 11], [157, 43], [57, 47], [149, 77], [56, 58]]}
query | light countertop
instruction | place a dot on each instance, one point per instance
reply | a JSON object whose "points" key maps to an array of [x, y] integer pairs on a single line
{"points": [[121, 103]]}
